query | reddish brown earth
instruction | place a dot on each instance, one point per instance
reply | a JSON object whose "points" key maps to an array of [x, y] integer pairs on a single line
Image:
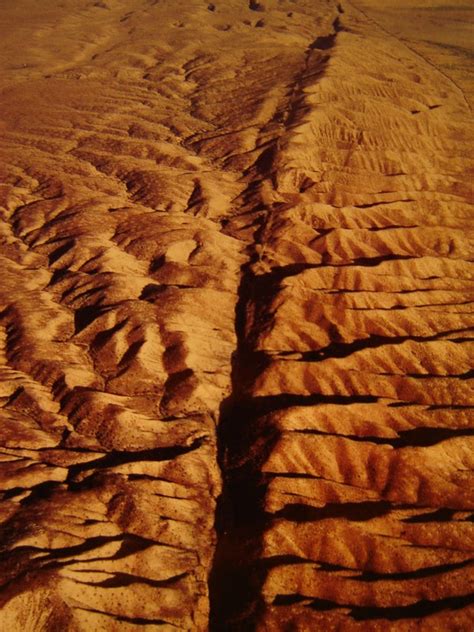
{"points": [[236, 316]]}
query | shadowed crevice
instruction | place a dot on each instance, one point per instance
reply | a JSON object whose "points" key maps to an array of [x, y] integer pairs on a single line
{"points": [[417, 437], [418, 610]]}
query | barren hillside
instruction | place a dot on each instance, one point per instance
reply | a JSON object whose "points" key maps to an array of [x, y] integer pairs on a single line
{"points": [[236, 316]]}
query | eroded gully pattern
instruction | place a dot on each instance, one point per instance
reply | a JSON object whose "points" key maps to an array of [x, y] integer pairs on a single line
{"points": [[316, 180]]}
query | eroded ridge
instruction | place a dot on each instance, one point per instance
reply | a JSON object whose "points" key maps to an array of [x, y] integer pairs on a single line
{"points": [[130, 131], [349, 438]]}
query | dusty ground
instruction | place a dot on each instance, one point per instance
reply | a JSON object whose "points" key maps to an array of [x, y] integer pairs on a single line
{"points": [[236, 315]]}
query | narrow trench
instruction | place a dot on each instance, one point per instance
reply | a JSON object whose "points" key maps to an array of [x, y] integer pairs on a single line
{"points": [[235, 580], [243, 438]]}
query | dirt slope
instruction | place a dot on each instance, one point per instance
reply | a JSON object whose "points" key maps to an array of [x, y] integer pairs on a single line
{"points": [[235, 317]]}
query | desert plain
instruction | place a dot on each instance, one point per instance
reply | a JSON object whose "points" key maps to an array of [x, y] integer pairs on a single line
{"points": [[236, 315]]}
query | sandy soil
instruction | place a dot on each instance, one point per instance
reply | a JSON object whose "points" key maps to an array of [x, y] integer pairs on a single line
{"points": [[236, 315]]}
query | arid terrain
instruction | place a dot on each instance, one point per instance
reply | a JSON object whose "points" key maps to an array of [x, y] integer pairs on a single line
{"points": [[236, 316]]}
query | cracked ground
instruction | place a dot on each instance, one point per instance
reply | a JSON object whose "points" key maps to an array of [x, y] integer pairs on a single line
{"points": [[236, 316]]}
